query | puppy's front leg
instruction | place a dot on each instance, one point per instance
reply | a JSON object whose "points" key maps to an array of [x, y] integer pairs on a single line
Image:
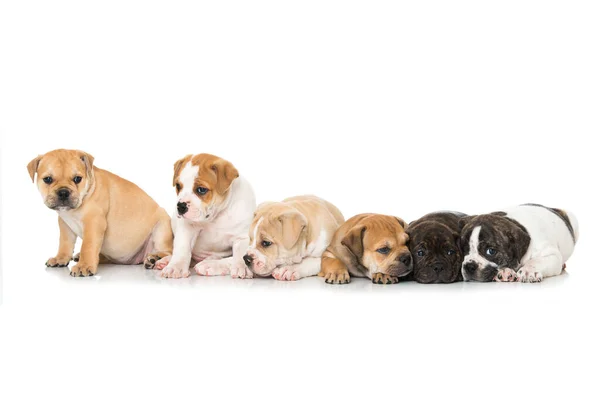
{"points": [[334, 270], [94, 226], [238, 266], [65, 246], [309, 266], [179, 263]]}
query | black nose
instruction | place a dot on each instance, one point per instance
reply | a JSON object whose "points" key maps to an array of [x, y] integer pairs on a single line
{"points": [[405, 259], [248, 259], [182, 208], [437, 267], [63, 194], [470, 267]]}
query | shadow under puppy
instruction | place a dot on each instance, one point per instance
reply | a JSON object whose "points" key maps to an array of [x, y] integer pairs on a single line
{"points": [[368, 245], [526, 243], [435, 247], [288, 238], [118, 222]]}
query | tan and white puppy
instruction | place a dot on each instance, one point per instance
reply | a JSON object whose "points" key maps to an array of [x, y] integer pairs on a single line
{"points": [[287, 238], [118, 222], [214, 211], [368, 245]]}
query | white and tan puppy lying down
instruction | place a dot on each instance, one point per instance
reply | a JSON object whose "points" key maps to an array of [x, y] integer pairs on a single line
{"points": [[118, 222], [288, 238], [214, 211]]}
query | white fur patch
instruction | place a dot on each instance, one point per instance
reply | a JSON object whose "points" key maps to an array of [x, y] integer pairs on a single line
{"points": [[474, 255], [253, 245]]}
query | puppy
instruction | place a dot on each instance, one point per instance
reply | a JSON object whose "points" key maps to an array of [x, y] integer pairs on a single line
{"points": [[368, 245], [118, 222], [214, 211], [435, 247], [526, 243], [287, 238]]}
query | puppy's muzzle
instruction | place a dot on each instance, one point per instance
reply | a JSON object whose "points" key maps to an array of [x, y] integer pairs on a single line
{"points": [[248, 260], [182, 208], [470, 268], [405, 259]]}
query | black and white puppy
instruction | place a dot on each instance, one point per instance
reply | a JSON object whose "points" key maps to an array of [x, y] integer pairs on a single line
{"points": [[526, 243], [435, 247]]}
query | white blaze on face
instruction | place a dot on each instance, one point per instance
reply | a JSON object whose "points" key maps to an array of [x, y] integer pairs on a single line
{"points": [[187, 177], [474, 255], [260, 263], [253, 245]]}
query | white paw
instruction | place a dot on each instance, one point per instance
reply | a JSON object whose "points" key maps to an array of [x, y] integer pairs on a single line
{"points": [[162, 263], [175, 271], [506, 275], [212, 268], [286, 274], [241, 272], [528, 274]]}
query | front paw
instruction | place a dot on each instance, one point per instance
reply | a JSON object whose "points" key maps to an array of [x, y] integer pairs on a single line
{"points": [[506, 275], [175, 271], [151, 260], [58, 261], [83, 269], [212, 268], [384, 279], [241, 272], [285, 274], [528, 274], [339, 277]]}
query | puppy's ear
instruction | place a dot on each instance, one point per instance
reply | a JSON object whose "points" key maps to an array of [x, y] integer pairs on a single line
{"points": [[464, 221], [354, 240], [226, 173], [292, 225], [88, 160], [519, 240], [402, 223], [179, 164], [33, 166]]}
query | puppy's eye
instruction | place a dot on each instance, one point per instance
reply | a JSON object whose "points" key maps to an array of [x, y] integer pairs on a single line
{"points": [[47, 180], [177, 187], [420, 253], [77, 180], [384, 250], [451, 252], [201, 190], [490, 251], [265, 243]]}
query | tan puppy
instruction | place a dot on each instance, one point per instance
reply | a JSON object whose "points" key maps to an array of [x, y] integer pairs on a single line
{"points": [[118, 222], [288, 238], [368, 245]]}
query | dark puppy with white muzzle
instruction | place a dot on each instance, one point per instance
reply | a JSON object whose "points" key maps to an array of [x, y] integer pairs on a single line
{"points": [[435, 247]]}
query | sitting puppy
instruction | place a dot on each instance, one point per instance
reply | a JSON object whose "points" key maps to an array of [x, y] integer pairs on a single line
{"points": [[368, 245], [287, 238], [214, 211], [526, 243], [118, 222], [435, 247]]}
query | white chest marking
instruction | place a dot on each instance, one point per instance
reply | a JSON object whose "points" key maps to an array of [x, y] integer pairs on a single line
{"points": [[73, 222], [316, 248], [474, 255]]}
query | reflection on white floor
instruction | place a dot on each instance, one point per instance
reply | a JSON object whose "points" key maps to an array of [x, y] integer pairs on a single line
{"points": [[136, 274]]}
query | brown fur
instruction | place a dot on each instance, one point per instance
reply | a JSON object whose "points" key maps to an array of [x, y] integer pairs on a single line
{"points": [[117, 218], [353, 250]]}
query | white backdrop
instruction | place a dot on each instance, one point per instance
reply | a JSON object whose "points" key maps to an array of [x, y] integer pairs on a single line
{"points": [[377, 106]]}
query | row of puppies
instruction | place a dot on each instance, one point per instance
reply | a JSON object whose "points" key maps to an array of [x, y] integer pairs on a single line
{"points": [[219, 231]]}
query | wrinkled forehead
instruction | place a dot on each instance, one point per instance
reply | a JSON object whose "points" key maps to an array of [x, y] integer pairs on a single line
{"points": [[65, 165], [265, 225], [431, 233], [385, 234]]}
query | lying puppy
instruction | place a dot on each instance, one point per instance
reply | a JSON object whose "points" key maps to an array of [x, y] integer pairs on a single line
{"points": [[118, 222], [526, 243], [368, 245], [435, 247], [287, 238], [214, 211]]}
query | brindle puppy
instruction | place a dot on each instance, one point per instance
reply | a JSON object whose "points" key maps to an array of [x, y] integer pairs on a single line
{"points": [[435, 247]]}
